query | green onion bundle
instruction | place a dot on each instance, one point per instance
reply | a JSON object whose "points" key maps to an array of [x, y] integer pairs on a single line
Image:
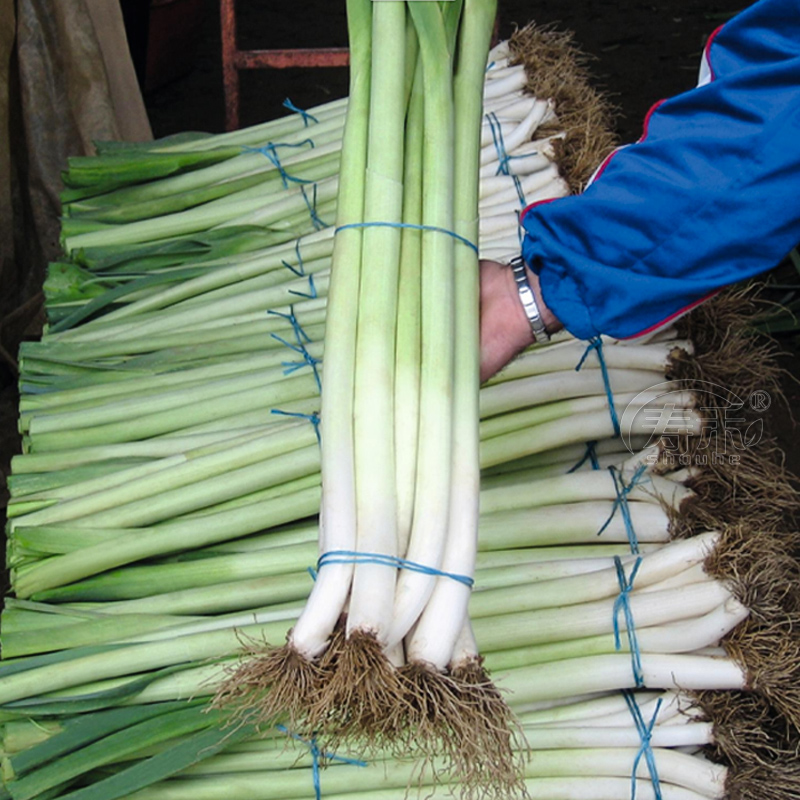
{"points": [[165, 509]]}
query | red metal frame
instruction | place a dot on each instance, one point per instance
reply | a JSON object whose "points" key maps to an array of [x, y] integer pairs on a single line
{"points": [[234, 59]]}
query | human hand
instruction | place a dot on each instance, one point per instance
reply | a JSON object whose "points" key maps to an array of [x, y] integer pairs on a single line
{"points": [[505, 329]]}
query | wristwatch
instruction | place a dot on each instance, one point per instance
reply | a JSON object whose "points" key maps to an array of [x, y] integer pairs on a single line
{"points": [[528, 300]]}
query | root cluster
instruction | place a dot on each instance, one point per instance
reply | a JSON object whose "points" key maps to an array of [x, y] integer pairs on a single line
{"points": [[760, 748], [456, 725], [557, 69], [748, 496]]}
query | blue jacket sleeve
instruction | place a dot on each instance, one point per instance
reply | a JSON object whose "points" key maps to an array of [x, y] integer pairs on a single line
{"points": [[708, 196]]}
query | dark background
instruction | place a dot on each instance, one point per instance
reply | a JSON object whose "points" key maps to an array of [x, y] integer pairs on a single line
{"points": [[644, 52]]}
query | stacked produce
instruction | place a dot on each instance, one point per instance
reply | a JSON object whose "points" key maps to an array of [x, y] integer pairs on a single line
{"points": [[163, 534]]}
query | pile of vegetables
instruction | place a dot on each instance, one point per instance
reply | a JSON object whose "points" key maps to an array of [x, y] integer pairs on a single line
{"points": [[253, 329]]}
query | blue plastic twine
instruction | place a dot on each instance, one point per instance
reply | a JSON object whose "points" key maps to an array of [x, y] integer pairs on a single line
{"points": [[302, 338], [455, 235], [589, 455], [308, 359], [622, 490], [503, 155], [300, 269], [311, 294], [270, 151], [317, 755], [645, 731], [622, 603], [596, 344], [499, 143], [299, 333], [312, 207], [287, 103], [355, 557], [312, 418]]}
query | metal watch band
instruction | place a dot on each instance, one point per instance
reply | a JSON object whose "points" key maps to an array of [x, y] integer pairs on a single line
{"points": [[528, 300]]}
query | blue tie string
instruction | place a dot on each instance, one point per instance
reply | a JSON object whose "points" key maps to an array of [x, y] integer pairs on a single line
{"points": [[596, 344], [270, 150], [355, 557], [300, 347], [287, 103], [312, 207], [316, 756], [622, 603], [293, 366], [299, 270], [311, 294], [589, 455], [312, 418], [645, 731], [411, 226], [499, 143], [299, 333], [503, 156], [622, 490]]}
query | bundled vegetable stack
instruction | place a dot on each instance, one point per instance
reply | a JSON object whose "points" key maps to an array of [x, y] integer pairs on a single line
{"points": [[164, 512], [400, 455]]}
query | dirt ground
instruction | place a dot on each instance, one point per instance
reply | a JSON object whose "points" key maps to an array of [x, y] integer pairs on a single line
{"points": [[641, 52]]}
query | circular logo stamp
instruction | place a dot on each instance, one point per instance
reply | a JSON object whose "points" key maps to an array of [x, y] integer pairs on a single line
{"points": [[759, 400]]}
